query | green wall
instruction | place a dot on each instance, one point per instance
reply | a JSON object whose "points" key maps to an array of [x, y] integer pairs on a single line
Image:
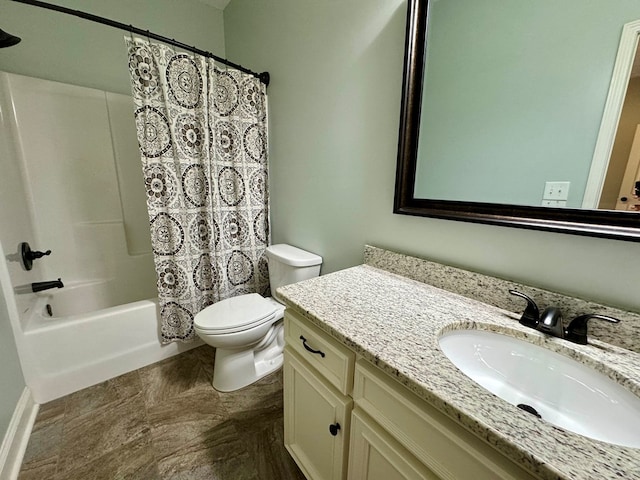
{"points": [[68, 49], [334, 106], [514, 96]]}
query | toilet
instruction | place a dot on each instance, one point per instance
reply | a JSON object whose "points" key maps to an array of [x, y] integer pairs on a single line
{"points": [[248, 331]]}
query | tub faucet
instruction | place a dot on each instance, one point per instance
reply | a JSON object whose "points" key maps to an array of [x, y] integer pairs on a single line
{"points": [[40, 286]]}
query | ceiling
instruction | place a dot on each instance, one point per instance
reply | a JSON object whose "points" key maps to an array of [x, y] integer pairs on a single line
{"points": [[216, 3]]}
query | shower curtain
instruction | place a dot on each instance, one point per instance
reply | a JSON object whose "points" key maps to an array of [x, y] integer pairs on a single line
{"points": [[202, 132]]}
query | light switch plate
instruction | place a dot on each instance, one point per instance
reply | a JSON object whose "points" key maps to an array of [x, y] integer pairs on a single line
{"points": [[556, 191]]}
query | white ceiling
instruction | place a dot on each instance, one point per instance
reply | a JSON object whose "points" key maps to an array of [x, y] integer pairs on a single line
{"points": [[216, 3]]}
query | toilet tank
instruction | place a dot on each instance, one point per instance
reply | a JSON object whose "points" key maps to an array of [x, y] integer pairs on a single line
{"points": [[288, 264]]}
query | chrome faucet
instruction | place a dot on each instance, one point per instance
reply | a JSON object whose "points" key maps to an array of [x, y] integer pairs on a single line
{"points": [[550, 322]]}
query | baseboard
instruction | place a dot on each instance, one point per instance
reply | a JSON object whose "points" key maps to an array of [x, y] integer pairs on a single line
{"points": [[15, 440]]}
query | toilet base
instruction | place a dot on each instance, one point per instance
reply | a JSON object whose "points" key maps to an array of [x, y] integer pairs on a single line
{"points": [[236, 369]]}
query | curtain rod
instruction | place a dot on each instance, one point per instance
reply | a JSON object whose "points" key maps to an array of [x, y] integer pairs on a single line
{"points": [[264, 76]]}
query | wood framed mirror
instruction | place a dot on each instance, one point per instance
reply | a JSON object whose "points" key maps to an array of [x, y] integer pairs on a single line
{"points": [[622, 225]]}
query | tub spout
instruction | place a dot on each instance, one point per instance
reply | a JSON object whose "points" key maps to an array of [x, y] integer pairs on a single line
{"points": [[40, 286]]}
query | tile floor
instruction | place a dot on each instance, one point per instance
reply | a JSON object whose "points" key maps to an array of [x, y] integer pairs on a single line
{"points": [[164, 421]]}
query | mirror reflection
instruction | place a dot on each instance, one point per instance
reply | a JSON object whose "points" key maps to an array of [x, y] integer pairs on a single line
{"points": [[513, 103], [621, 185]]}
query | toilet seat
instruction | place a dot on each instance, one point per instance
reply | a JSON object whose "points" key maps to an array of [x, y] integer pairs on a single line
{"points": [[235, 314]]}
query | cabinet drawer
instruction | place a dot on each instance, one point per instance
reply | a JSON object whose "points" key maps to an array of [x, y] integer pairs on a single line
{"points": [[330, 358], [443, 445]]}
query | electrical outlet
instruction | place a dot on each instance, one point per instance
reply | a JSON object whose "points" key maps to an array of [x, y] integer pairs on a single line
{"points": [[556, 191], [554, 203]]}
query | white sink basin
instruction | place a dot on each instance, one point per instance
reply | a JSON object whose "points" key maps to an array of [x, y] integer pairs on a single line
{"points": [[562, 391]]}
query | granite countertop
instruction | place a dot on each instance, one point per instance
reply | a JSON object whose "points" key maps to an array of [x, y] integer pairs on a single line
{"points": [[395, 322]]}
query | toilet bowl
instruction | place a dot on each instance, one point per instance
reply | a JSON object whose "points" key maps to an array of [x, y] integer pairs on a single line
{"points": [[248, 330]]}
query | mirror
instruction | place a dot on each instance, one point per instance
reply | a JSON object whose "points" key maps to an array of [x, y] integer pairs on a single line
{"points": [[487, 119]]}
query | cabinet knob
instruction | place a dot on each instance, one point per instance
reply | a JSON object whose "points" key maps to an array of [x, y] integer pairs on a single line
{"points": [[333, 428]]}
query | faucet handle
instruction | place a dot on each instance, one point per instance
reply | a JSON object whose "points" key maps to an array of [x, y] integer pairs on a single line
{"points": [[531, 315], [28, 255], [576, 332]]}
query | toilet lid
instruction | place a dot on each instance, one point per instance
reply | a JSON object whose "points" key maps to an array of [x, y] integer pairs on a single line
{"points": [[234, 314]]}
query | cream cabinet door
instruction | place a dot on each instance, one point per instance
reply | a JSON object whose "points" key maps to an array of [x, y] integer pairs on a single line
{"points": [[375, 455], [316, 421]]}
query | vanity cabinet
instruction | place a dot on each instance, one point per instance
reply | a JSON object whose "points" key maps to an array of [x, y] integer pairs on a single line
{"points": [[386, 431], [375, 455], [447, 449], [318, 378], [316, 421]]}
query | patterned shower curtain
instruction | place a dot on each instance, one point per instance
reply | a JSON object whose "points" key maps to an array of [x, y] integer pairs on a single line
{"points": [[202, 132]]}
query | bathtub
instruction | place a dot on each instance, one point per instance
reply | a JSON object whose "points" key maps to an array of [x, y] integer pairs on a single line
{"points": [[73, 338]]}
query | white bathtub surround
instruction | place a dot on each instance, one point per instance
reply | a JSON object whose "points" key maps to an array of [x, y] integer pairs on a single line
{"points": [[203, 140], [73, 184], [74, 145], [85, 343], [394, 323], [67, 353], [16, 438], [64, 354]]}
